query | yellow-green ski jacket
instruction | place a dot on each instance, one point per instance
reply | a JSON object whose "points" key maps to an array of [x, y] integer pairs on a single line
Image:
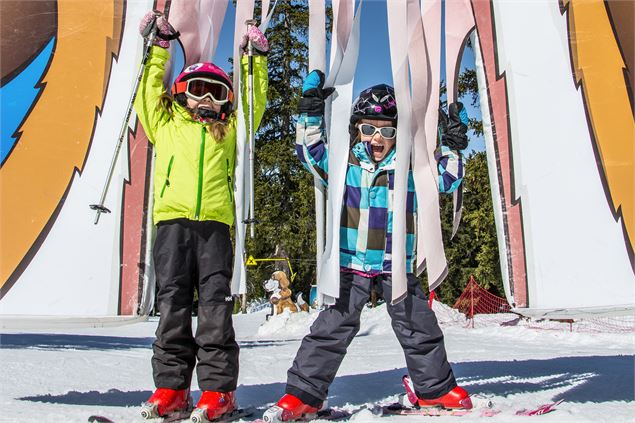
{"points": [[193, 172]]}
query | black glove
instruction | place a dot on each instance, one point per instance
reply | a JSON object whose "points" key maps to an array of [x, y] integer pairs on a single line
{"points": [[314, 94], [453, 129]]}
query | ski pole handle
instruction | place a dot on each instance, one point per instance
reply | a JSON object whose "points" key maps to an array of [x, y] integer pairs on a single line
{"points": [[151, 28], [250, 47]]}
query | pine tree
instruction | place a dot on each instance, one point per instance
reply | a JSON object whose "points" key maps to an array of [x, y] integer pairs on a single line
{"points": [[474, 249]]}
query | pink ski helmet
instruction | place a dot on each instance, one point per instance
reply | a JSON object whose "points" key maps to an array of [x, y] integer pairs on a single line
{"points": [[206, 79]]}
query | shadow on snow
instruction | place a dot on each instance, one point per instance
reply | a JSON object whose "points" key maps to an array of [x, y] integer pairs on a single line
{"points": [[580, 379], [47, 341], [54, 341]]}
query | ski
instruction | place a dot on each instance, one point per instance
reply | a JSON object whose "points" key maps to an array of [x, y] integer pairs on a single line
{"points": [[404, 410], [170, 418], [328, 414], [185, 416], [179, 416], [543, 409], [200, 417]]}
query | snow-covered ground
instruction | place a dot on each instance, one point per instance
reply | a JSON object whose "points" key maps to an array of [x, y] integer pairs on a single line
{"points": [[66, 375]]}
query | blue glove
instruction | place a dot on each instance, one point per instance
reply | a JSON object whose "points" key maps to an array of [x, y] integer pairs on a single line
{"points": [[314, 94], [314, 79]]}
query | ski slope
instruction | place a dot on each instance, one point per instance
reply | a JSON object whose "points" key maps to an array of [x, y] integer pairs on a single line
{"points": [[66, 375]]}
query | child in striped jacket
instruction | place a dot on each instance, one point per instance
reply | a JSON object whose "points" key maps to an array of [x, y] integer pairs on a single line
{"points": [[365, 252]]}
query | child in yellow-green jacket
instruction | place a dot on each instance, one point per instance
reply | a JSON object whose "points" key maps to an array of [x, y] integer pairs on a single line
{"points": [[193, 130]]}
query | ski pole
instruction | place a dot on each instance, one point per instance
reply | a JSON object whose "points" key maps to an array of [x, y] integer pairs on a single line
{"points": [[149, 35], [250, 97]]}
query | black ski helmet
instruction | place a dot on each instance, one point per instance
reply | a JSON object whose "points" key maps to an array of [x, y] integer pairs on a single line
{"points": [[377, 102]]}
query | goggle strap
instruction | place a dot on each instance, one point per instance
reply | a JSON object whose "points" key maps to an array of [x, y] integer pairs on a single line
{"points": [[179, 87]]}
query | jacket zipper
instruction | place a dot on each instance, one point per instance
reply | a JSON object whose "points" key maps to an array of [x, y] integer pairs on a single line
{"points": [[229, 183], [167, 177], [199, 192], [377, 173]]}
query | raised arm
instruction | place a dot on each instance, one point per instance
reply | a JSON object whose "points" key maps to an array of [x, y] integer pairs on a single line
{"points": [[311, 146], [453, 140], [151, 85], [147, 103]]}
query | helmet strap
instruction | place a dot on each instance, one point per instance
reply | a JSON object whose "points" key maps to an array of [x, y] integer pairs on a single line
{"points": [[206, 115]]}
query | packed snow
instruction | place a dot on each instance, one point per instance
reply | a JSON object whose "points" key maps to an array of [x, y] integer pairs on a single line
{"points": [[66, 375]]}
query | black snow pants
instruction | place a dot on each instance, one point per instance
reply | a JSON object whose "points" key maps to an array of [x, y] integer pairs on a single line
{"points": [[415, 325], [189, 254]]}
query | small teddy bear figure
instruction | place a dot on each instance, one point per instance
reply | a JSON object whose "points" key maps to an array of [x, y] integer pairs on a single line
{"points": [[280, 298]]}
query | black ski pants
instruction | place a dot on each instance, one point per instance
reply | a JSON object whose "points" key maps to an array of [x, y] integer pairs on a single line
{"points": [[189, 254], [414, 324]]}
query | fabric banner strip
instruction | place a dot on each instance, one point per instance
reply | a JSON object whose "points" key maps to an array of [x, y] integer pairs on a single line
{"points": [[317, 60], [266, 17], [341, 75], [424, 58], [397, 21], [242, 184], [199, 24]]}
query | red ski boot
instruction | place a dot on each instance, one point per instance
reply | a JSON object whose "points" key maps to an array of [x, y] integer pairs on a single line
{"points": [[213, 405], [456, 398], [289, 408], [165, 401]]}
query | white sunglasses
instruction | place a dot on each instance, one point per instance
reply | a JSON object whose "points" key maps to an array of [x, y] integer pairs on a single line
{"points": [[368, 130]]}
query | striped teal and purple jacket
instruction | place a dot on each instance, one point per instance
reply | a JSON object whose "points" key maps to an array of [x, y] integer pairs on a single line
{"points": [[366, 221]]}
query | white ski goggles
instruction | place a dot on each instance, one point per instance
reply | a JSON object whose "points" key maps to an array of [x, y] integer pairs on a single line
{"points": [[199, 88], [368, 130]]}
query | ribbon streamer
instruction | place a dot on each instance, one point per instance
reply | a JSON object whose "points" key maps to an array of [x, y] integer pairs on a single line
{"points": [[344, 55]]}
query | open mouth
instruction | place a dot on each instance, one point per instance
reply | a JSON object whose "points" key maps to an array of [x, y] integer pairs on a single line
{"points": [[377, 148], [204, 106]]}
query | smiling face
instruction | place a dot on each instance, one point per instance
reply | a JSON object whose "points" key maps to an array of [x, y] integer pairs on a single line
{"points": [[205, 103], [379, 146]]}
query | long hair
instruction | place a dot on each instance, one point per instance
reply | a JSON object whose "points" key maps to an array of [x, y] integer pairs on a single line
{"points": [[215, 128]]}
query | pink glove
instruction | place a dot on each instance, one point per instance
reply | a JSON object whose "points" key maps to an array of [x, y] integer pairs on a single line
{"points": [[164, 33], [258, 40]]}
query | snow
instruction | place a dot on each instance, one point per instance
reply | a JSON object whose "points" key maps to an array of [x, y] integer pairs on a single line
{"points": [[67, 375]]}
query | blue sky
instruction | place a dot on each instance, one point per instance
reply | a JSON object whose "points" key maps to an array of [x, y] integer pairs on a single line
{"points": [[373, 66]]}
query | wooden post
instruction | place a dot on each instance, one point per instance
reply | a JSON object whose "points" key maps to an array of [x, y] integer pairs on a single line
{"points": [[472, 300]]}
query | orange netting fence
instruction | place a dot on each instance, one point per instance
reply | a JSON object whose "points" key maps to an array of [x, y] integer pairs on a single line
{"points": [[476, 307], [476, 300]]}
